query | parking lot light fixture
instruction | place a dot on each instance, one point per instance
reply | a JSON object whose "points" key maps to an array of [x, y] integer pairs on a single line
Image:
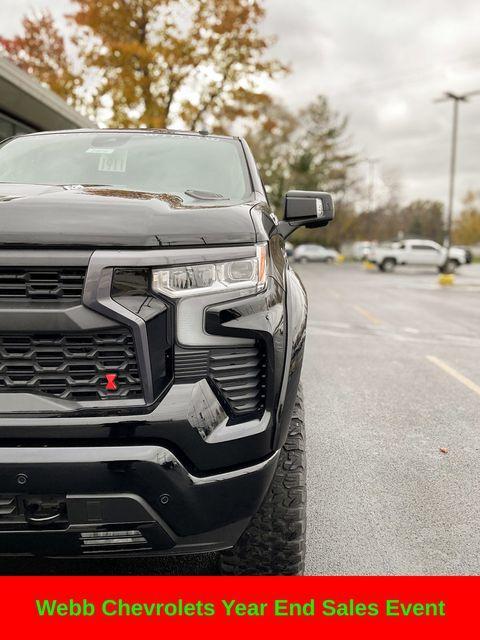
{"points": [[456, 98]]}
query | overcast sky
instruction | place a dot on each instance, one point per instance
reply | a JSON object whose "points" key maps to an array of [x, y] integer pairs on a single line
{"points": [[381, 62]]}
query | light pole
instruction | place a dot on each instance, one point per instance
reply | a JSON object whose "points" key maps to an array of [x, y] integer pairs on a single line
{"points": [[456, 98], [371, 162]]}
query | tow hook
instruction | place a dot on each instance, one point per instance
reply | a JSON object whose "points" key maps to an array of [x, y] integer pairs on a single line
{"points": [[42, 512]]}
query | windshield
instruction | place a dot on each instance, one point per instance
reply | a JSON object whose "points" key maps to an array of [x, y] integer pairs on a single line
{"points": [[204, 167]]}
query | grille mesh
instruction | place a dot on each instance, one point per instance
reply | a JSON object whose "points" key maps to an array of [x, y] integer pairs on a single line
{"points": [[33, 283], [70, 366], [239, 373]]}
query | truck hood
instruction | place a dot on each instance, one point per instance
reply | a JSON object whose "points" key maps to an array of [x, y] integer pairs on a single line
{"points": [[83, 216]]}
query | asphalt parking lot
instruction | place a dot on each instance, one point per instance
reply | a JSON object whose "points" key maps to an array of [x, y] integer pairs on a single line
{"points": [[391, 377]]}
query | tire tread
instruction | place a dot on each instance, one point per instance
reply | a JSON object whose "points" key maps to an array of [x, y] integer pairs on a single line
{"points": [[274, 541]]}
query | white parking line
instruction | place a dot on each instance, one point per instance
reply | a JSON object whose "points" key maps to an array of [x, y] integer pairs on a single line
{"points": [[455, 374]]}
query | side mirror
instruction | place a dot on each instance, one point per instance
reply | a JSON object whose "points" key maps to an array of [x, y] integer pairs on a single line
{"points": [[306, 209]]}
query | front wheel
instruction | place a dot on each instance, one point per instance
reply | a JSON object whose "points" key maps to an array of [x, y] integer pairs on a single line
{"points": [[274, 541], [450, 266], [388, 265]]}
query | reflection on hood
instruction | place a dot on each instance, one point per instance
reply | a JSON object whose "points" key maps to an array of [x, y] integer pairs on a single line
{"points": [[8, 198], [174, 201], [106, 216]]}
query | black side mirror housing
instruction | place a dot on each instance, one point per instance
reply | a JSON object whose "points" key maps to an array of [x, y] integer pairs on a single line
{"points": [[306, 209]]}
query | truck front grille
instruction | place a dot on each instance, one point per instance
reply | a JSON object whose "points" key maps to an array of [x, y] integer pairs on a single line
{"points": [[71, 366], [37, 283], [239, 374]]}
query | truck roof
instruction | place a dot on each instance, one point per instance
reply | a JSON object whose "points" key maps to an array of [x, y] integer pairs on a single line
{"points": [[199, 134]]}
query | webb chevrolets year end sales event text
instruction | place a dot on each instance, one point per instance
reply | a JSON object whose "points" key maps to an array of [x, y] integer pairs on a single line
{"points": [[234, 608]]}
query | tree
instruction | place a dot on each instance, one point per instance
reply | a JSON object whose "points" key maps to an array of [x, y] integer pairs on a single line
{"points": [[419, 219], [382, 224], [467, 228], [423, 219], [321, 157], [272, 141], [308, 150], [41, 51], [155, 62]]}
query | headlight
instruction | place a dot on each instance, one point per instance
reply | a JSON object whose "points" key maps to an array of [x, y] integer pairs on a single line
{"points": [[198, 279]]}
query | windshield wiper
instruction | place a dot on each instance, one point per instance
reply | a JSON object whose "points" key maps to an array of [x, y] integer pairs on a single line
{"points": [[205, 195]]}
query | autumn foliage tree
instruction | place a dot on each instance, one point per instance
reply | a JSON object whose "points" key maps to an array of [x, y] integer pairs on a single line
{"points": [[154, 63], [307, 150], [41, 51], [467, 226]]}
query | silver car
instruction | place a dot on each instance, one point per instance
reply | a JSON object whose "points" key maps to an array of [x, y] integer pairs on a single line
{"points": [[314, 253]]}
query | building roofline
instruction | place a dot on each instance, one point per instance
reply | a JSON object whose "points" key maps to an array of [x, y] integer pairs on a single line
{"points": [[23, 97]]}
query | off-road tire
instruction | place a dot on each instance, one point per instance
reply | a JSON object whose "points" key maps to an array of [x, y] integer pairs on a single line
{"points": [[274, 541]]}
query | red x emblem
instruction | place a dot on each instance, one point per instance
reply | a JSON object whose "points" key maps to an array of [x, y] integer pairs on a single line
{"points": [[111, 381]]}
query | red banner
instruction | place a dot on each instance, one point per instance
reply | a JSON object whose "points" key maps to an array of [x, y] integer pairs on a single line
{"points": [[78, 607]]}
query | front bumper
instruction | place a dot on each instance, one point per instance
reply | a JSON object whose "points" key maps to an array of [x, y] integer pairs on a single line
{"points": [[125, 500]]}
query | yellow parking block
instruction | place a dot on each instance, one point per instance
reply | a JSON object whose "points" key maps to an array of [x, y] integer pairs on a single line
{"points": [[340, 259], [446, 279], [368, 265]]}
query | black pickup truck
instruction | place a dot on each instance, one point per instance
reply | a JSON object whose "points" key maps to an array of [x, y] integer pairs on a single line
{"points": [[151, 343]]}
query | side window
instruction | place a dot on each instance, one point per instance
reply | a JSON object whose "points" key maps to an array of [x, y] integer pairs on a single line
{"points": [[423, 247]]}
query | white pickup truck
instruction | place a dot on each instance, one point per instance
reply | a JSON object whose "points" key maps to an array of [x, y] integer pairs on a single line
{"points": [[416, 253]]}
